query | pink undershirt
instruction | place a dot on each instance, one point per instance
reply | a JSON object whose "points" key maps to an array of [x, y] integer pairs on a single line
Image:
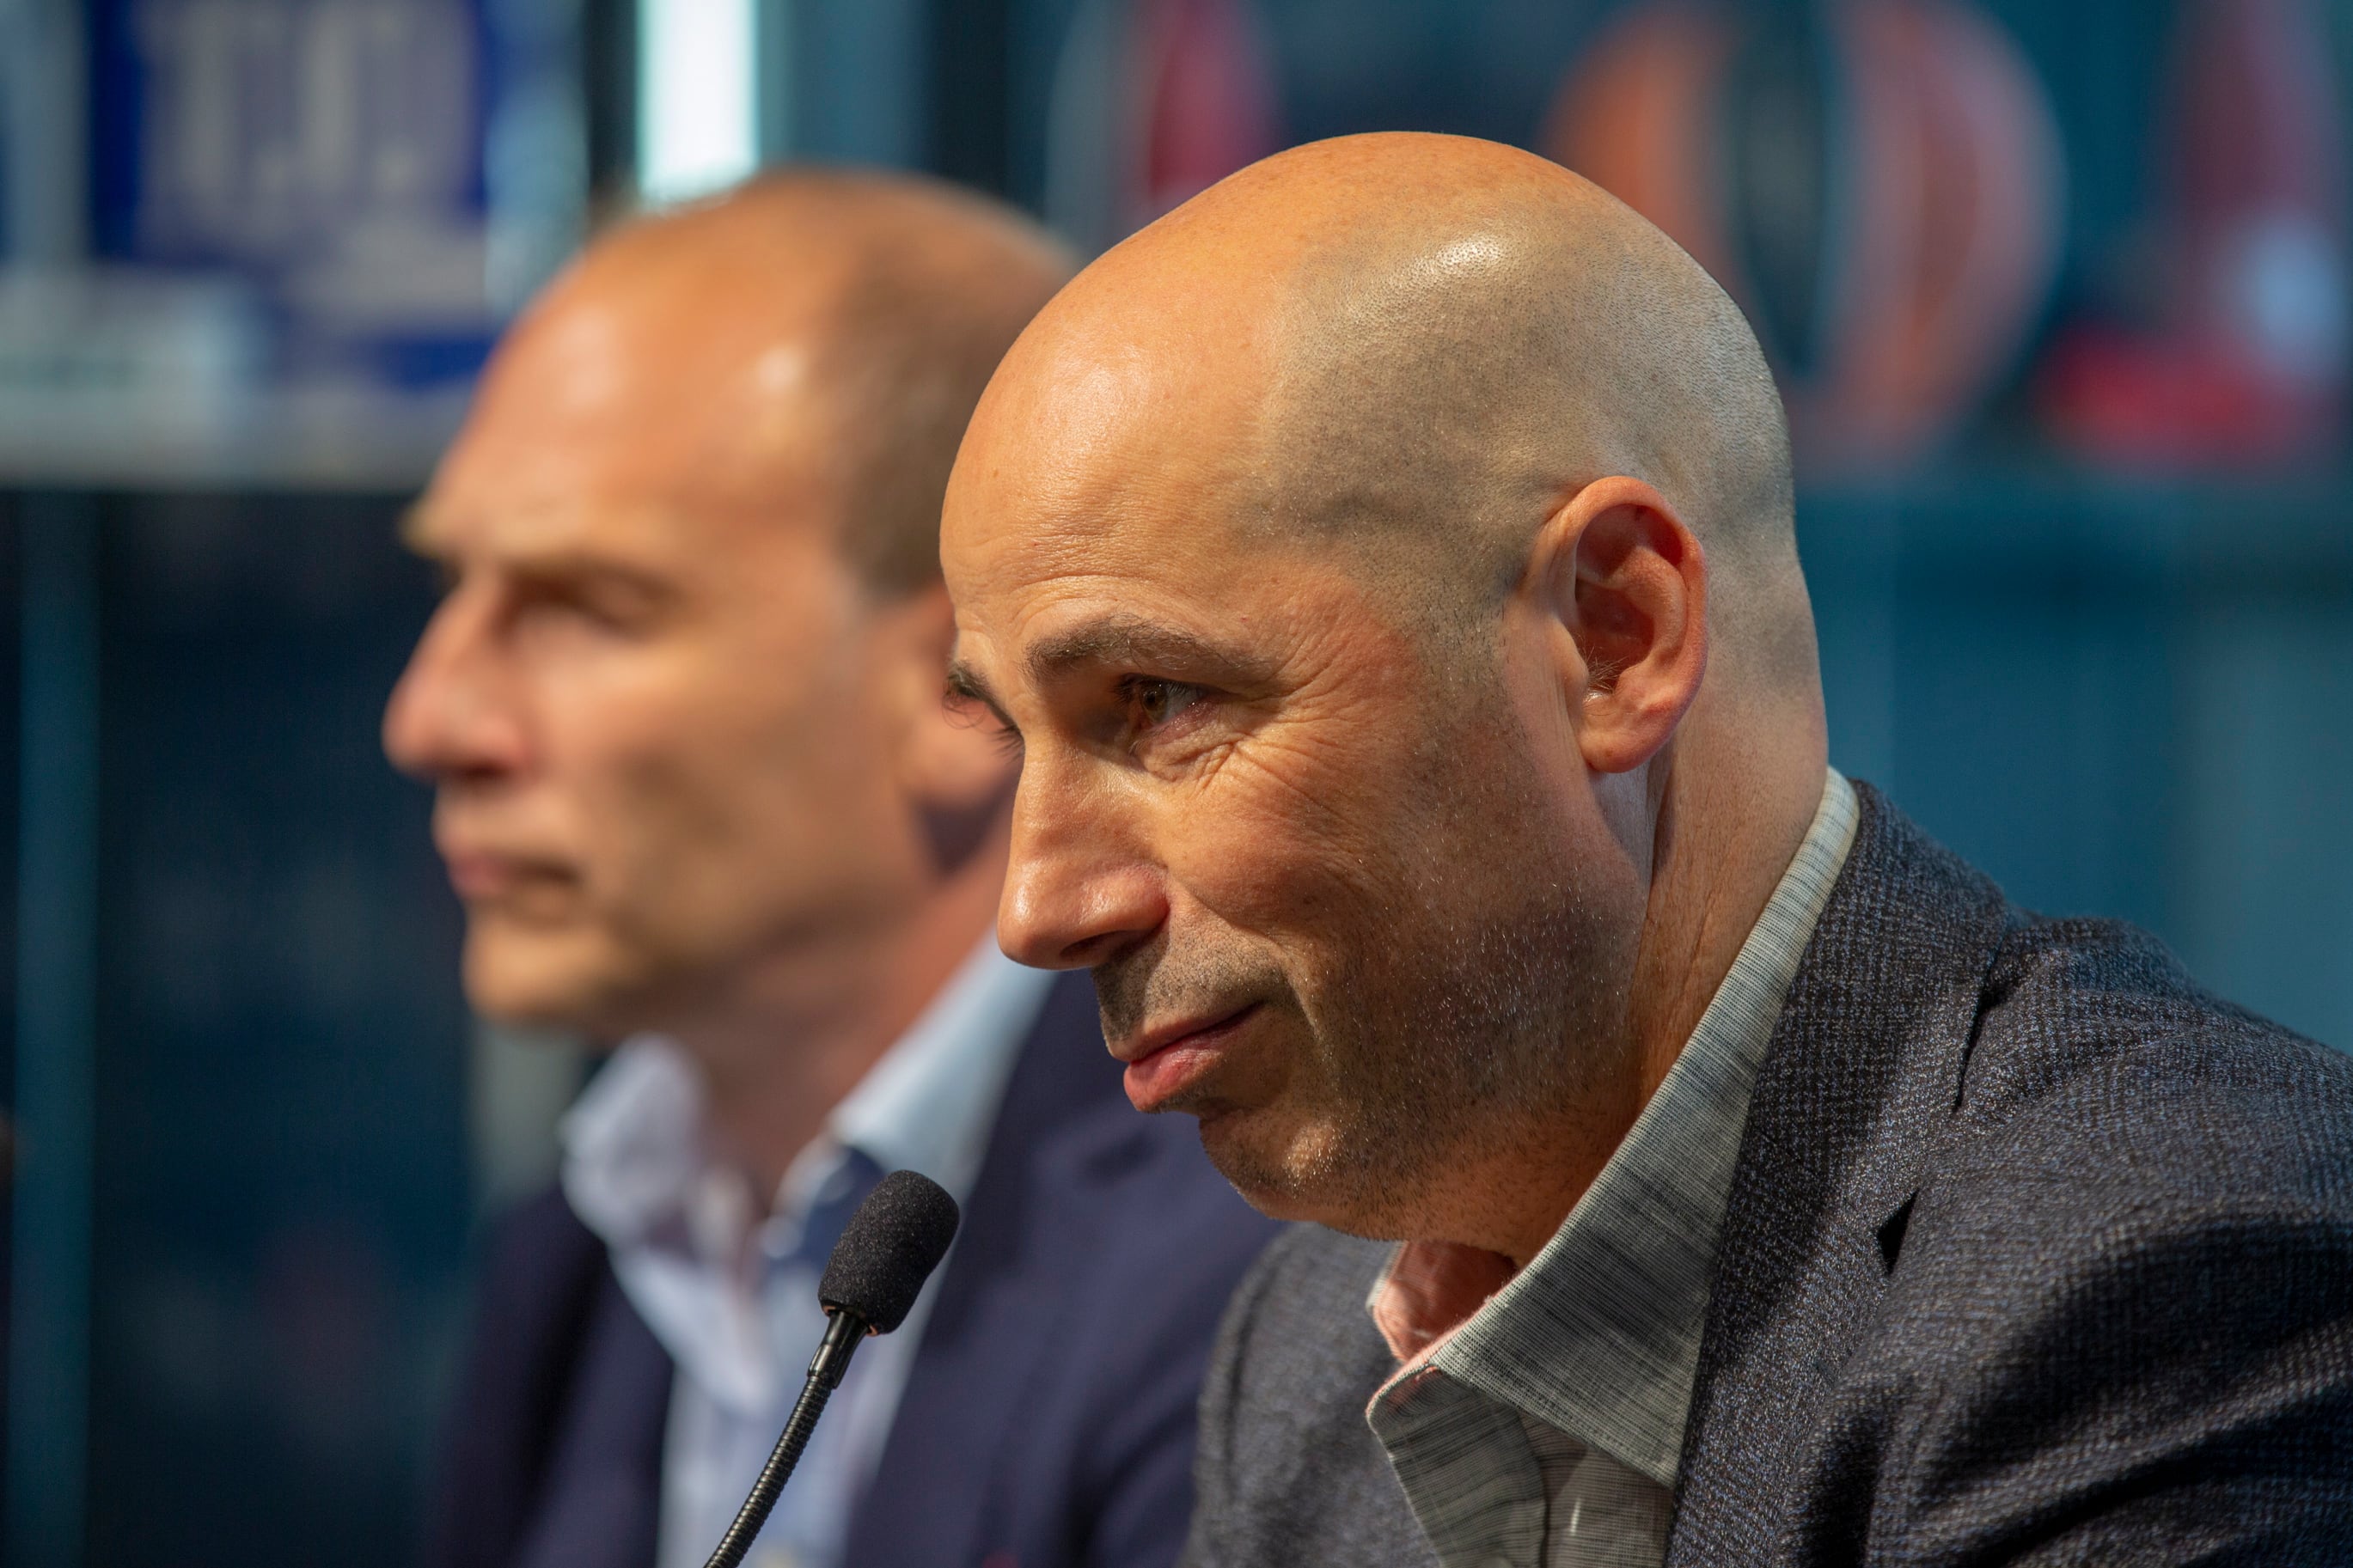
{"points": [[1434, 1289]]}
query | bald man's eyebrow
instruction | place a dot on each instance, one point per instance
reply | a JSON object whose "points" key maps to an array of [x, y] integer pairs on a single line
{"points": [[1143, 647]]}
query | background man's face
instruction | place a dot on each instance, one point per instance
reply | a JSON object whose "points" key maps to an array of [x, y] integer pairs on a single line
{"points": [[1310, 851], [648, 713]]}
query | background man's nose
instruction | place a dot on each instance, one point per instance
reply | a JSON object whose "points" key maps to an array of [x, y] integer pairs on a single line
{"points": [[445, 719]]}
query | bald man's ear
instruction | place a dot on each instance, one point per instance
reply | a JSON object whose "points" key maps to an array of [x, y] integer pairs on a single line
{"points": [[955, 774], [1627, 580]]}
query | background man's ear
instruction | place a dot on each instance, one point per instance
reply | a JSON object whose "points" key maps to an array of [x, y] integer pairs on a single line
{"points": [[1629, 582], [955, 774]]}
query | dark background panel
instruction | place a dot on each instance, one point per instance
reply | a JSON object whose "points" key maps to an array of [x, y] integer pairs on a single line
{"points": [[281, 1199]]}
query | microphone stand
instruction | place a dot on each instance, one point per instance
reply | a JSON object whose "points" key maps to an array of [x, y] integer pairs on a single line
{"points": [[886, 1252], [843, 1330]]}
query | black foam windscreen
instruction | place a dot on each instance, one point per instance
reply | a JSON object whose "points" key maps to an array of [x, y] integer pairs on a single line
{"points": [[890, 1247]]}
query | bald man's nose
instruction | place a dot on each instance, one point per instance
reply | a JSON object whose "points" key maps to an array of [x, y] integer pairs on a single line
{"points": [[445, 719], [1073, 897]]}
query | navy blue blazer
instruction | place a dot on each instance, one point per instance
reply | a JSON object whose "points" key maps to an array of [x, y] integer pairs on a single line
{"points": [[1047, 1420]]}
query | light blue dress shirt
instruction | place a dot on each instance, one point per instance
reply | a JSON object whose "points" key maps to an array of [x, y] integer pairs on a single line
{"points": [[720, 1278]]}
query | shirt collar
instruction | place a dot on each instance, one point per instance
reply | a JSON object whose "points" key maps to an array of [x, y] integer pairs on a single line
{"points": [[930, 1102], [1598, 1336], [638, 1170]]}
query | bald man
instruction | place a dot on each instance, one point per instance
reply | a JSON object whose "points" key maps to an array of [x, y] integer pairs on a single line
{"points": [[697, 791], [1386, 563]]}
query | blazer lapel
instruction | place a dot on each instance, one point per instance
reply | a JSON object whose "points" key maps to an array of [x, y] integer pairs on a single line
{"points": [[1865, 1068], [601, 1495], [1044, 1175]]}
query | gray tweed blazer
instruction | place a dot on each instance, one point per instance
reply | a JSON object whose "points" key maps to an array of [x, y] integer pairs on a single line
{"points": [[2036, 1253]]}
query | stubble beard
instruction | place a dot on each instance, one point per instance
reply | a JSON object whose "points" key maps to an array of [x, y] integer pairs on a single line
{"points": [[1467, 1027], [1469, 1011]]}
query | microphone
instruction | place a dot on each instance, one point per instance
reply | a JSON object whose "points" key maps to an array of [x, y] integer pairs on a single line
{"points": [[886, 1252]]}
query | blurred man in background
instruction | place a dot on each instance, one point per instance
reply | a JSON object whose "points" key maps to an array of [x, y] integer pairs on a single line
{"points": [[697, 789]]}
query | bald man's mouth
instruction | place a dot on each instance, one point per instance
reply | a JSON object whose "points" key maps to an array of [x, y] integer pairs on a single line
{"points": [[1166, 1062]]}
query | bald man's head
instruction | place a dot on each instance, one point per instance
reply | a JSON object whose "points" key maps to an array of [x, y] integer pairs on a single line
{"points": [[1445, 371], [1387, 561], [1422, 344]]}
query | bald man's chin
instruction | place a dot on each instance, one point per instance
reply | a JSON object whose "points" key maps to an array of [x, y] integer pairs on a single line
{"points": [[1312, 1173], [1280, 1168]]}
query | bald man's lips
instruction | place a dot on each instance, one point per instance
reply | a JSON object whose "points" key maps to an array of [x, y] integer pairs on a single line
{"points": [[1163, 1063]]}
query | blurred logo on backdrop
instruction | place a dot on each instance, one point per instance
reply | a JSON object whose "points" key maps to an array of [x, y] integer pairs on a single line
{"points": [[1877, 181], [2223, 338], [1154, 101], [307, 211], [329, 150]]}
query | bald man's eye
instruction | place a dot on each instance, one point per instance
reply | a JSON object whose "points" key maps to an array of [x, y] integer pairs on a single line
{"points": [[1152, 704], [966, 712]]}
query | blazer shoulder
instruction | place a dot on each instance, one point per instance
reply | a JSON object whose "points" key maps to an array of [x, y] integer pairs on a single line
{"points": [[2097, 1060], [1296, 1334], [537, 1275], [2042, 1242], [2122, 1320]]}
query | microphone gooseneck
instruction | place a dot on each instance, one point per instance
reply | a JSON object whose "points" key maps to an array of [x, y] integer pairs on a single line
{"points": [[890, 1247]]}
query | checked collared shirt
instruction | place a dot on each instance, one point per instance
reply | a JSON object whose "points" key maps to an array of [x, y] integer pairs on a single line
{"points": [[1537, 1419]]}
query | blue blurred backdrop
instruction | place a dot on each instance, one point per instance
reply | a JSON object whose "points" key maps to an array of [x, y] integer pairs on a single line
{"points": [[2059, 290]]}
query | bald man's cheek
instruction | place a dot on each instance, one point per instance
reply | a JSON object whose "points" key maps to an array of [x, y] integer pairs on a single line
{"points": [[1290, 827], [1353, 703]]}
